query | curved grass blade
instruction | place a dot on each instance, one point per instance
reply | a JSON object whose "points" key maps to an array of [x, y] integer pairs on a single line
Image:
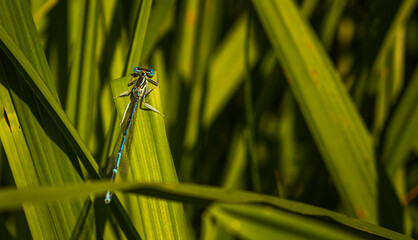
{"points": [[194, 194], [336, 126]]}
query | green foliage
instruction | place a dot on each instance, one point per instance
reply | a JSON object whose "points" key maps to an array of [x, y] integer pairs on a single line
{"points": [[303, 113]]}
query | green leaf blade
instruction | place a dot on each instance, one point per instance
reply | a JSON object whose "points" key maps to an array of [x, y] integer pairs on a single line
{"points": [[199, 195], [337, 128]]}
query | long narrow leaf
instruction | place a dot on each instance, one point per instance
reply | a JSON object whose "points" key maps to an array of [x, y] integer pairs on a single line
{"points": [[335, 124], [190, 193]]}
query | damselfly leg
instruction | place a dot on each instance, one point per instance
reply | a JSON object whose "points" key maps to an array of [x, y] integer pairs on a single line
{"points": [[147, 105]]}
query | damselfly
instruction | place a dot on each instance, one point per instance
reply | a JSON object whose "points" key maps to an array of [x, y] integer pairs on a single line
{"points": [[138, 92]]}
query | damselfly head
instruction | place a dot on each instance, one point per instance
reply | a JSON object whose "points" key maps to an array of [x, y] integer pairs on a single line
{"points": [[150, 73], [136, 70]]}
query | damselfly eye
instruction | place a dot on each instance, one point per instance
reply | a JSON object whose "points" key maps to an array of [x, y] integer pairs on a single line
{"points": [[150, 72], [136, 69]]}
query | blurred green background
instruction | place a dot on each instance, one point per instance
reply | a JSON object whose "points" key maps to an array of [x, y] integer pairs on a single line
{"points": [[312, 101]]}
